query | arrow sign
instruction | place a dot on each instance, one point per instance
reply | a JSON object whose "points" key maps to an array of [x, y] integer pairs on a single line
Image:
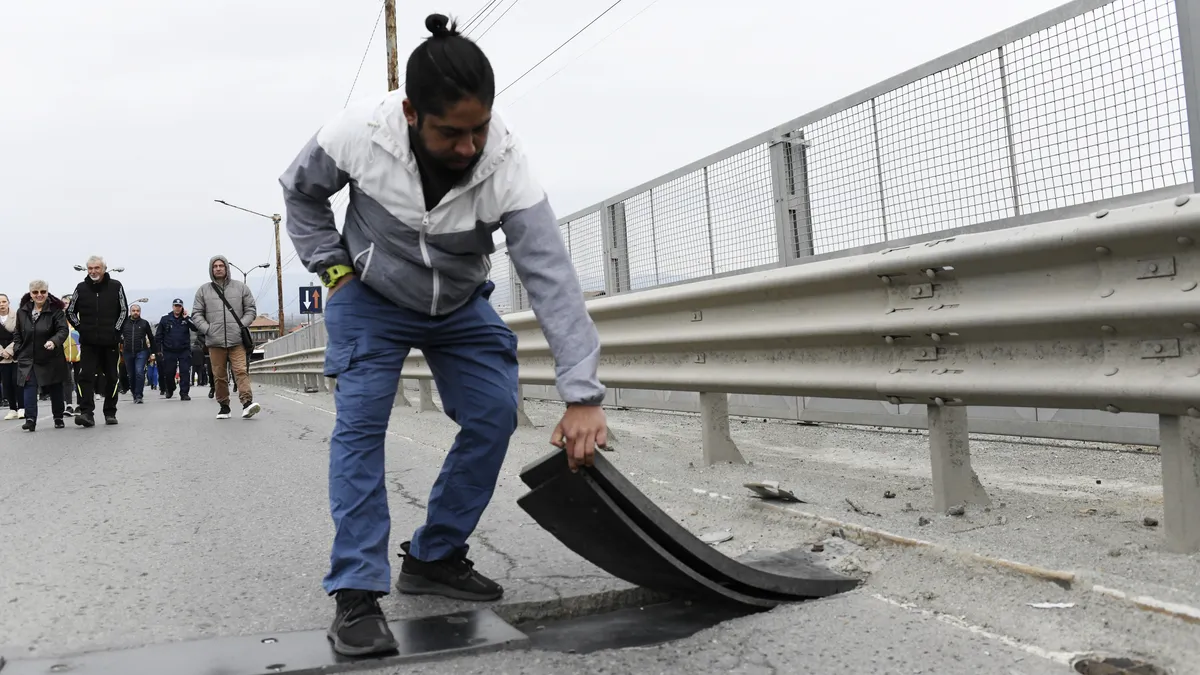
{"points": [[310, 300]]}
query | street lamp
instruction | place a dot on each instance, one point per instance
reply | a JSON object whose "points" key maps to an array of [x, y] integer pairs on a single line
{"points": [[245, 273], [275, 218], [81, 268]]}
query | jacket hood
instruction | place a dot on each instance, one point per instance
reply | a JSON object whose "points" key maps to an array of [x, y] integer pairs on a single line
{"points": [[214, 259], [52, 302]]}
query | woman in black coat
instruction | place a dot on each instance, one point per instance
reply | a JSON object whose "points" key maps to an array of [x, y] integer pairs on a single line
{"points": [[38, 344]]}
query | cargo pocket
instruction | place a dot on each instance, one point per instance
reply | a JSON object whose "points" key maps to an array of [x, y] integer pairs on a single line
{"points": [[338, 357]]}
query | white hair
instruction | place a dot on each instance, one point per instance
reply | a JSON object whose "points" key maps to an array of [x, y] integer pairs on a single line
{"points": [[38, 285], [97, 260]]}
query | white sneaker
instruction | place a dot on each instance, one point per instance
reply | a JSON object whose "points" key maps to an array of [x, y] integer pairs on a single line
{"points": [[21, 413], [13, 415], [251, 410]]}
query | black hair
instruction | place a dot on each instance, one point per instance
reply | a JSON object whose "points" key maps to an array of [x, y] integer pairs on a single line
{"points": [[446, 68]]}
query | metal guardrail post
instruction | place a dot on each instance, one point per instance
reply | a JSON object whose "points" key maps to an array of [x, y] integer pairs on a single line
{"points": [[401, 400], [718, 446], [522, 419], [425, 387], [954, 481], [1187, 17], [1179, 439]]}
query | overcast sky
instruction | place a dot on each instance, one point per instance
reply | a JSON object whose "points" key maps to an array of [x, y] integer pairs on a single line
{"points": [[121, 121]]}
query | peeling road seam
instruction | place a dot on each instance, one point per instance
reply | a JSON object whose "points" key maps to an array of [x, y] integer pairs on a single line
{"points": [[1062, 658]]}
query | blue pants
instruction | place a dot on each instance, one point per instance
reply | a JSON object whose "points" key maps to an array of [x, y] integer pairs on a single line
{"points": [[473, 356], [152, 373], [184, 362], [31, 390], [135, 365]]}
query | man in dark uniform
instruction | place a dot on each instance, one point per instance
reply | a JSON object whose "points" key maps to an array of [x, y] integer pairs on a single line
{"points": [[98, 311], [174, 335]]}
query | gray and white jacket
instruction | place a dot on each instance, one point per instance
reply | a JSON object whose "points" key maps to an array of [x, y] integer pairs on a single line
{"points": [[433, 261]]}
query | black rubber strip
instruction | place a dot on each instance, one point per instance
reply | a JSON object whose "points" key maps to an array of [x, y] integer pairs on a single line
{"points": [[295, 653], [573, 509], [798, 580]]}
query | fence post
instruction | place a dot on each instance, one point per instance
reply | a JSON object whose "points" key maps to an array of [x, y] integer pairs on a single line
{"points": [[714, 436], [789, 184], [522, 419], [616, 244], [401, 400], [1179, 446], [954, 481]]}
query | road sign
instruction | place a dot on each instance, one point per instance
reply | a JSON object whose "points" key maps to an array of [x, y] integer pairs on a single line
{"points": [[310, 300]]}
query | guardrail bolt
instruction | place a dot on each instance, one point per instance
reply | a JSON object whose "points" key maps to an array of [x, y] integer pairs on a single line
{"points": [[894, 400], [1101, 213], [1182, 199], [1112, 408], [931, 273], [885, 278], [1106, 293], [939, 401], [1103, 250], [1185, 241], [1189, 286], [1107, 329], [1112, 371], [936, 337], [1193, 412], [889, 339]]}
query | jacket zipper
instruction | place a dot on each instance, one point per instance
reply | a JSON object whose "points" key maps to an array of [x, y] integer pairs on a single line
{"points": [[428, 263]]}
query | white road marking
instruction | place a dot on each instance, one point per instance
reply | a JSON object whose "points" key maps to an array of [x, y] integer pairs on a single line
{"points": [[1062, 658]]}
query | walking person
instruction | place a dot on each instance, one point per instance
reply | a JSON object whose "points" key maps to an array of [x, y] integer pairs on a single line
{"points": [[174, 335], [41, 363], [8, 361], [152, 371], [137, 344], [98, 310], [71, 353], [222, 311], [198, 361], [433, 173]]}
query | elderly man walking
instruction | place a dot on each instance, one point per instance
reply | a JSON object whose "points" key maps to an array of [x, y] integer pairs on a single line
{"points": [[98, 310]]}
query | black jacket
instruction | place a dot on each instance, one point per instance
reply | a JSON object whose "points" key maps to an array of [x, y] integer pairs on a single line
{"points": [[98, 311], [175, 333], [134, 335], [29, 342]]}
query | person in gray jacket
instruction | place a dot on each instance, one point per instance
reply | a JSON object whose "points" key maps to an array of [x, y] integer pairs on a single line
{"points": [[433, 174], [222, 331]]}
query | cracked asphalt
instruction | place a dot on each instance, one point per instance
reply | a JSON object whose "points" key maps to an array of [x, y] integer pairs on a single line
{"points": [[175, 525]]}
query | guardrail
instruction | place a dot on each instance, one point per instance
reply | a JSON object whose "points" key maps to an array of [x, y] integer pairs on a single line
{"points": [[1098, 312]]}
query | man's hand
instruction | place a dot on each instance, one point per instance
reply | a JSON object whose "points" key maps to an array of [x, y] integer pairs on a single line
{"points": [[49, 345], [340, 282], [582, 428]]}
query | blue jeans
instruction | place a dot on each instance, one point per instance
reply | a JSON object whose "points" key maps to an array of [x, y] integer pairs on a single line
{"points": [[473, 356], [31, 398], [182, 360], [136, 365]]}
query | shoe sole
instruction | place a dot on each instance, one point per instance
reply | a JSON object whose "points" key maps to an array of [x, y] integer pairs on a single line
{"points": [[346, 650], [79, 421], [253, 410], [410, 584], [222, 417]]}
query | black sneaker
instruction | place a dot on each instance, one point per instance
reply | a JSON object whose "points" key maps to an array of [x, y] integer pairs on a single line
{"points": [[184, 397], [59, 424], [454, 577], [212, 393], [110, 419], [85, 419], [359, 627], [223, 413], [29, 425]]}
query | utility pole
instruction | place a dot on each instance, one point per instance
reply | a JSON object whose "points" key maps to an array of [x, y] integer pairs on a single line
{"points": [[279, 272], [389, 28]]}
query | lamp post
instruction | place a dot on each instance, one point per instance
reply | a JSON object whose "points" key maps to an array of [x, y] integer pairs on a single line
{"points": [[245, 273], [275, 218], [81, 268]]}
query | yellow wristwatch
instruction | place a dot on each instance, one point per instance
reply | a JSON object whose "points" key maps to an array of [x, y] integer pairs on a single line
{"points": [[331, 275]]}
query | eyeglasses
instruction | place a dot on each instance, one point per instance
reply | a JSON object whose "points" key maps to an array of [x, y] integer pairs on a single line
{"points": [[38, 292]]}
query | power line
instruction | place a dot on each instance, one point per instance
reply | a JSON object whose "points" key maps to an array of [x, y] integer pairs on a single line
{"points": [[475, 19], [581, 54], [489, 28], [556, 49], [364, 56]]}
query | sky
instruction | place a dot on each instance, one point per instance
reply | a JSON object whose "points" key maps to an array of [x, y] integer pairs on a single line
{"points": [[122, 121]]}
